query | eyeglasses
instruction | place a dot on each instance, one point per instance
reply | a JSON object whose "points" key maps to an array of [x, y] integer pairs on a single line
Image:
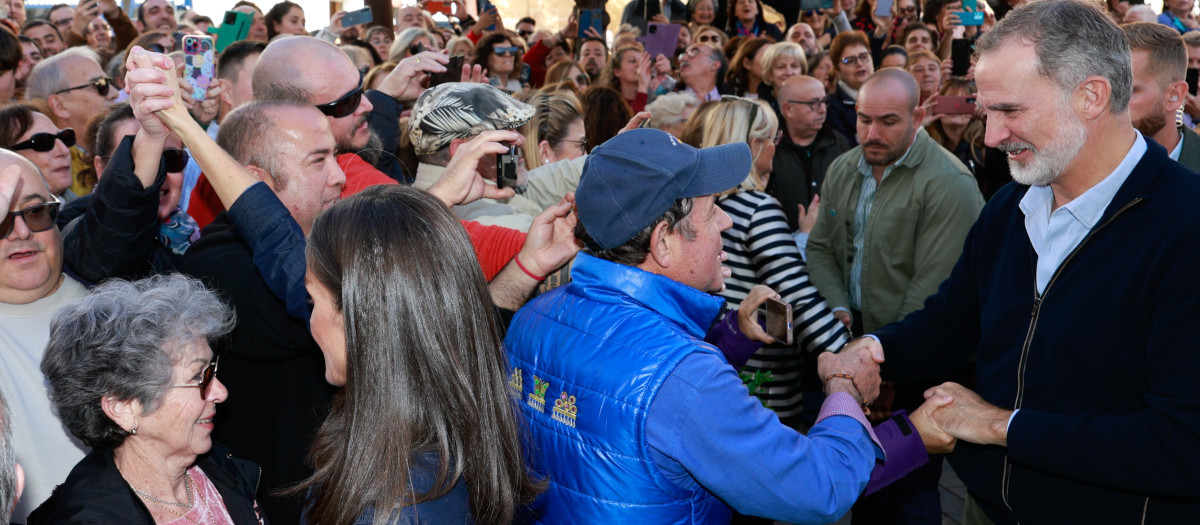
{"points": [[501, 51], [855, 59], [38, 218], [813, 105], [206, 378], [811, 13], [581, 142], [175, 159], [62, 23], [912, 9], [704, 39], [778, 137], [346, 105], [101, 84], [44, 142], [582, 80]]}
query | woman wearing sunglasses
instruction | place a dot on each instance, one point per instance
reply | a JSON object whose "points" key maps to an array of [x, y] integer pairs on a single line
{"points": [[498, 55], [132, 376], [131, 226], [31, 134]]}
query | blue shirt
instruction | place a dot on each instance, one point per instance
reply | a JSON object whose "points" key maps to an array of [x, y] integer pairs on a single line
{"points": [[752, 462], [1054, 233]]}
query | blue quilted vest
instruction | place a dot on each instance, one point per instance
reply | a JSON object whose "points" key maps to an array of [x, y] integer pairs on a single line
{"points": [[587, 359]]}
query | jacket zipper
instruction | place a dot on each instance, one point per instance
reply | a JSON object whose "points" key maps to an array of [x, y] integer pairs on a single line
{"points": [[1038, 298]]}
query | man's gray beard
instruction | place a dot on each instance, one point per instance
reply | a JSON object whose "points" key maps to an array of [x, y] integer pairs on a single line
{"points": [[373, 150], [1051, 160]]}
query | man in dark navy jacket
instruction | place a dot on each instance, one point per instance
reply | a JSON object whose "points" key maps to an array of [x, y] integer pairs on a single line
{"points": [[1076, 294]]}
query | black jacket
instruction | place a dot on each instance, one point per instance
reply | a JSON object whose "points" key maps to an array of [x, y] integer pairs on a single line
{"points": [[111, 232], [384, 122], [95, 492], [794, 179], [840, 115]]}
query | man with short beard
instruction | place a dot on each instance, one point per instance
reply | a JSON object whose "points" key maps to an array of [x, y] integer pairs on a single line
{"points": [[1076, 296], [1159, 65], [592, 55], [894, 213]]}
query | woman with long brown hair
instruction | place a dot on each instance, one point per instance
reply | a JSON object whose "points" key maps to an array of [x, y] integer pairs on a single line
{"points": [[425, 426]]}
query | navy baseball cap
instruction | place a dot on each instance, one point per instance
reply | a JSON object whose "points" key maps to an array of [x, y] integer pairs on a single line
{"points": [[634, 178]]}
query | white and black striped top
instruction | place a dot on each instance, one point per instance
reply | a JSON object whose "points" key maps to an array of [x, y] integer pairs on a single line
{"points": [[762, 251]]}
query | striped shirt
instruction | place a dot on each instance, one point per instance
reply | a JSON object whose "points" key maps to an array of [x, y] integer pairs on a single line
{"points": [[761, 251]]}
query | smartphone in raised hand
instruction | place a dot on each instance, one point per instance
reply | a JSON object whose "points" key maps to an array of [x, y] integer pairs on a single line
{"points": [[779, 321]]}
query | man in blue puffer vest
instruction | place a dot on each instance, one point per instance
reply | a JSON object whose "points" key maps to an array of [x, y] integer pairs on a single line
{"points": [[635, 418]]}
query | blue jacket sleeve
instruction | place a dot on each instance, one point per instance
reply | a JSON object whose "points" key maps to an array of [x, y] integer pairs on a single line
{"points": [[704, 428], [277, 243]]}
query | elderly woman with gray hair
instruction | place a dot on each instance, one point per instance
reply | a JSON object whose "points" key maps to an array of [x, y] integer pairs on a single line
{"points": [[131, 375]]}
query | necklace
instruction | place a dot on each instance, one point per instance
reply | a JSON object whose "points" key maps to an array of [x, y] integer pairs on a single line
{"points": [[187, 486]]}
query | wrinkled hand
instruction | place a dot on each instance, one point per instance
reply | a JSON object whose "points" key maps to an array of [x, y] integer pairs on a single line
{"points": [[550, 242], [844, 317], [153, 91], [461, 182], [936, 440], [411, 75], [808, 216], [859, 358], [633, 124], [747, 314], [968, 417], [10, 179]]}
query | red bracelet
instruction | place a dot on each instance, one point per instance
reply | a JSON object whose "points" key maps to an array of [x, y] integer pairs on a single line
{"points": [[526, 270]]}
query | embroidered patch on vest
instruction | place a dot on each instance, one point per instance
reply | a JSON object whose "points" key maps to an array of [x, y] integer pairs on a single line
{"points": [[537, 398], [565, 410], [516, 382]]}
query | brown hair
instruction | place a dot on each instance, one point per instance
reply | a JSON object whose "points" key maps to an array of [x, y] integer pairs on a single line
{"points": [[605, 112], [738, 76]]}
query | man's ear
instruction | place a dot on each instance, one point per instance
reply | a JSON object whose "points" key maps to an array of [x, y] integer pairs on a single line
{"points": [[660, 247], [1093, 98], [262, 175], [57, 107]]}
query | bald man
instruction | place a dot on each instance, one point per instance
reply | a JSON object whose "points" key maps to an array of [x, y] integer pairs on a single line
{"points": [[895, 211], [808, 147], [318, 71], [32, 288]]}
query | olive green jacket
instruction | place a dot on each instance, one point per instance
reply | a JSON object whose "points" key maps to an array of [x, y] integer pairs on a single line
{"points": [[922, 211], [1189, 156]]}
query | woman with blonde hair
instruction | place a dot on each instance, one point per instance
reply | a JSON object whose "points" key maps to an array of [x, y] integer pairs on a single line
{"points": [[402, 47], [780, 62], [568, 70], [628, 72], [766, 253], [556, 130]]}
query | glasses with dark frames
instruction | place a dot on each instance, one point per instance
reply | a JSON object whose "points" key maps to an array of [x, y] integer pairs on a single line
{"points": [[813, 104], [44, 142], [101, 84], [38, 218], [206, 378], [346, 105]]}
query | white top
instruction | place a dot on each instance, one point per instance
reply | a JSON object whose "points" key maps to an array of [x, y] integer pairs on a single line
{"points": [[44, 448]]}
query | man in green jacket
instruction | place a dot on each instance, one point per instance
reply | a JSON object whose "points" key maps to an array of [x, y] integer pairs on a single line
{"points": [[895, 211]]}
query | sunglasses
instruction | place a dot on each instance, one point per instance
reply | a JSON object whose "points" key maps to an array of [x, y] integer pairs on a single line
{"points": [[522, 32], [206, 378], [38, 218], [101, 84], [505, 51], [44, 142], [582, 80], [912, 9], [346, 105], [175, 159], [708, 38]]}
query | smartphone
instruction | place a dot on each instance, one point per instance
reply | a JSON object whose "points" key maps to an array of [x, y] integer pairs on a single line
{"points": [[593, 18], [234, 27], [486, 6], [453, 72], [972, 18], [883, 8], [779, 321], [812, 5], [357, 17], [1193, 79], [954, 105], [650, 9], [446, 8], [660, 39], [198, 64], [960, 56], [506, 167]]}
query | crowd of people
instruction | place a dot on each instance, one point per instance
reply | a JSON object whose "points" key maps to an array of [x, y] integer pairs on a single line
{"points": [[437, 268]]}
